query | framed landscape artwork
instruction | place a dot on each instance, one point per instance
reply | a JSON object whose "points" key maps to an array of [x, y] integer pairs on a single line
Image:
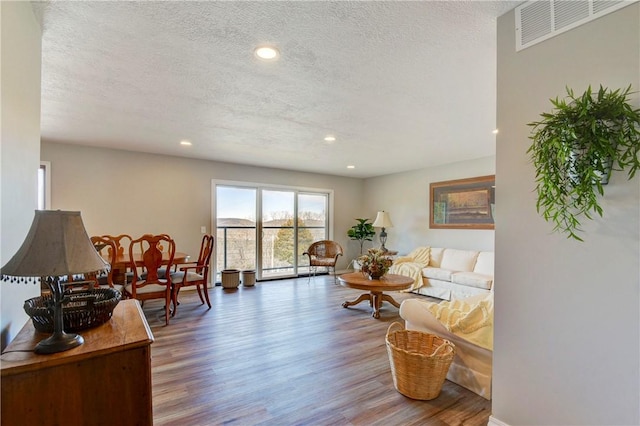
{"points": [[463, 203]]}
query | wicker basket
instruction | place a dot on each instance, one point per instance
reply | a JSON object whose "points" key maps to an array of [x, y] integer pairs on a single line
{"points": [[85, 309], [230, 278], [419, 361], [249, 278]]}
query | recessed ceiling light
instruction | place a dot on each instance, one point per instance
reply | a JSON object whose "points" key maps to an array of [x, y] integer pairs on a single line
{"points": [[494, 131], [185, 143], [351, 166], [330, 138], [267, 53]]}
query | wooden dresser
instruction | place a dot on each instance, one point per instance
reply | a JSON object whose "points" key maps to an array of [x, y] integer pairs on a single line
{"points": [[105, 381]]}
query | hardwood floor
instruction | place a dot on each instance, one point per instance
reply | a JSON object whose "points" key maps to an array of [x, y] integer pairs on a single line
{"points": [[287, 353]]}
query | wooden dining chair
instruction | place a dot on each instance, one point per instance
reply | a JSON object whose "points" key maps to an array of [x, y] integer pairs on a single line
{"points": [[162, 272], [194, 275], [152, 286], [323, 253], [122, 242], [108, 250], [94, 279]]}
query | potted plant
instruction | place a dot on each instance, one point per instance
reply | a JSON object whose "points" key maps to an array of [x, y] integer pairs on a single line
{"points": [[362, 231], [574, 149]]}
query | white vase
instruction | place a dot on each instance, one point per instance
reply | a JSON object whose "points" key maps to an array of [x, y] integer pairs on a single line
{"points": [[356, 265]]}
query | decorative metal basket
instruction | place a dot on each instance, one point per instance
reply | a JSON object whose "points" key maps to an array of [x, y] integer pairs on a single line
{"points": [[85, 309]]}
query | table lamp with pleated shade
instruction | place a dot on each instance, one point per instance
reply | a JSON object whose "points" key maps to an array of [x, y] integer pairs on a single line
{"points": [[57, 245]]}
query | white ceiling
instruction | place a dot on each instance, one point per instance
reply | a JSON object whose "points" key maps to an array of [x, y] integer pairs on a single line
{"points": [[401, 85]]}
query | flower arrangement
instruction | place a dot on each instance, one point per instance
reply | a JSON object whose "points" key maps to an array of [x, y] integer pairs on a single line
{"points": [[375, 263]]}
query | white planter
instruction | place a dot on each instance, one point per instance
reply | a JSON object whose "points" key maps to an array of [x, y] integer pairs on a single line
{"points": [[356, 265]]}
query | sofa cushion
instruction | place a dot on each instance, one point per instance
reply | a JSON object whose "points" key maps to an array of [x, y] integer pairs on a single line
{"points": [[435, 256], [459, 260], [484, 264], [437, 273], [472, 279]]}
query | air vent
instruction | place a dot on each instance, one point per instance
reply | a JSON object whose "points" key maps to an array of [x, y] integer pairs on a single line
{"points": [[539, 20]]}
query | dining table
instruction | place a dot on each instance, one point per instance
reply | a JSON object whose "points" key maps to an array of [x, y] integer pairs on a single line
{"points": [[123, 262]]}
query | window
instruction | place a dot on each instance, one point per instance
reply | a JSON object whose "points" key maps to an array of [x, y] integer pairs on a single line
{"points": [[44, 186], [268, 228]]}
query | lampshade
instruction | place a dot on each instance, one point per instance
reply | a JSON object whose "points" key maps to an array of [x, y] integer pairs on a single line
{"points": [[383, 220], [57, 244]]}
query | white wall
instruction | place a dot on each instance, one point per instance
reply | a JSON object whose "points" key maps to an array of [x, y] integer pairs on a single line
{"points": [[406, 197], [566, 342], [20, 150], [127, 192], [116, 191]]}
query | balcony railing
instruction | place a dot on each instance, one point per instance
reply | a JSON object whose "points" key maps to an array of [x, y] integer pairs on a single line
{"points": [[236, 249]]}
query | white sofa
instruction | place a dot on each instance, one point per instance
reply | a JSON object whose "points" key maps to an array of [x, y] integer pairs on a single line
{"points": [[472, 365], [457, 274]]}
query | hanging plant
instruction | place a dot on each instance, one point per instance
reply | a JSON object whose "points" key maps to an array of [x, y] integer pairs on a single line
{"points": [[574, 149]]}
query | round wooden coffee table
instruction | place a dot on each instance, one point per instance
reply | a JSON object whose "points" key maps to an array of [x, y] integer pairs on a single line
{"points": [[375, 288]]}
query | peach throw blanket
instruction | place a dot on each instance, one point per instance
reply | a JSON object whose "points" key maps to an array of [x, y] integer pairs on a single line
{"points": [[411, 265], [471, 319]]}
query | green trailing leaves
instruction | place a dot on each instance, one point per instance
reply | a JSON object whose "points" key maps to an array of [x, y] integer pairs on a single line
{"points": [[574, 149]]}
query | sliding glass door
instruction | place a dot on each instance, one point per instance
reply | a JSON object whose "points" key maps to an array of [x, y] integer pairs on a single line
{"points": [[236, 228], [312, 224], [267, 228], [278, 234]]}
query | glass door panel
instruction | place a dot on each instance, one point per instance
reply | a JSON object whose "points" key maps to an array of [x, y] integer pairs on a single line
{"points": [[312, 224], [278, 244], [236, 228]]}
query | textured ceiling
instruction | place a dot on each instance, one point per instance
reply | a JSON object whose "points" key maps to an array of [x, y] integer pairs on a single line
{"points": [[401, 85]]}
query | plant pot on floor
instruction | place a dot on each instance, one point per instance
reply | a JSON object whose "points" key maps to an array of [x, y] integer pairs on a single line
{"points": [[230, 278], [248, 278]]}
